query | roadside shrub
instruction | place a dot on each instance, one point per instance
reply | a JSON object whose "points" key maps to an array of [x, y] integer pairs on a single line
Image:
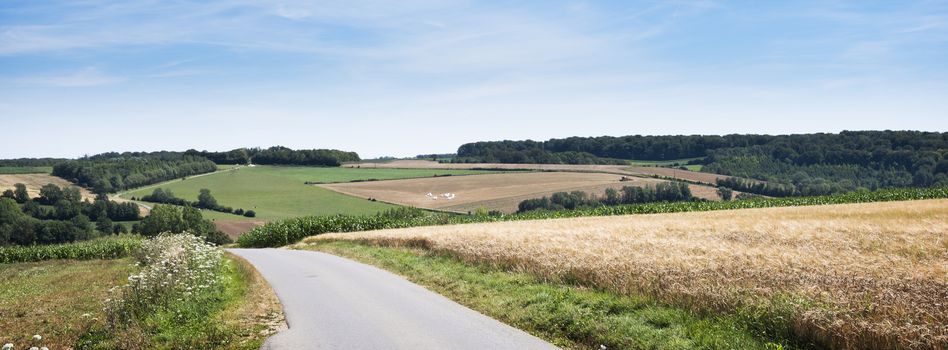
{"points": [[289, 231], [250, 213], [102, 248], [177, 272]]}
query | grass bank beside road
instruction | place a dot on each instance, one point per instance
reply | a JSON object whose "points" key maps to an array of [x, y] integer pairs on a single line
{"points": [[59, 300], [567, 315]]}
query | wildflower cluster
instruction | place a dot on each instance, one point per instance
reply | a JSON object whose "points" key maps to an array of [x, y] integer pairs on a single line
{"points": [[36, 344], [175, 269]]}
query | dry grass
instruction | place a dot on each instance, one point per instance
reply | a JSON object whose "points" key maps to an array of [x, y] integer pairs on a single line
{"points": [[259, 313], [493, 191], [871, 275], [49, 298], [33, 183]]}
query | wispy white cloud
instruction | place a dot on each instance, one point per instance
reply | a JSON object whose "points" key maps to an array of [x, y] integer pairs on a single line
{"points": [[85, 77]]}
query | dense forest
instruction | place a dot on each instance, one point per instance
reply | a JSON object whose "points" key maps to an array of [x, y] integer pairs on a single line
{"points": [[805, 164], [110, 172], [59, 215], [31, 162], [279, 155]]}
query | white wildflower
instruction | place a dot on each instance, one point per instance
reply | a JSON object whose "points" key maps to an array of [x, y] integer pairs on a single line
{"points": [[7, 346], [37, 337]]}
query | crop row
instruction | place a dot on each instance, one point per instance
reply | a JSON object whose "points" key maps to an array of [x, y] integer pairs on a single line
{"points": [[102, 248], [292, 230]]}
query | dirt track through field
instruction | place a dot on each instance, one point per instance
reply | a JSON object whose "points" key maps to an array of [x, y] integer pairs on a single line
{"points": [[493, 191]]}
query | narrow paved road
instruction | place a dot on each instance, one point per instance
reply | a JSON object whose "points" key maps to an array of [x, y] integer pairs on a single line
{"points": [[336, 303]]}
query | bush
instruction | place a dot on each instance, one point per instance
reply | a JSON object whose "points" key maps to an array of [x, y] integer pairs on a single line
{"points": [[250, 213], [178, 270]]}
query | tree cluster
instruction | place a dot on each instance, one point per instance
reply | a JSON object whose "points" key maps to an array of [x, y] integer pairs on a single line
{"points": [[31, 162], [175, 219], [59, 215], [110, 172], [205, 201], [663, 192], [279, 155]]}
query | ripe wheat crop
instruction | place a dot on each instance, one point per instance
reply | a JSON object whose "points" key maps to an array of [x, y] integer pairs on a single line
{"points": [[871, 275]]}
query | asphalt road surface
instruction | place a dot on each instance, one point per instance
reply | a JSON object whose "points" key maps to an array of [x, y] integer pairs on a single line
{"points": [[336, 303]]}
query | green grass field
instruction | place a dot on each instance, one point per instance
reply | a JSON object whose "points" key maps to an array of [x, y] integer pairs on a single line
{"points": [[277, 192], [26, 169]]}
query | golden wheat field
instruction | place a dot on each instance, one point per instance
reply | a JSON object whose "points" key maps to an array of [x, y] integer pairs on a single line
{"points": [[871, 275], [34, 182]]}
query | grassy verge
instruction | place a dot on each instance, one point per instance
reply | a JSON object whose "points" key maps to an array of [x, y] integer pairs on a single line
{"points": [[50, 298], [101, 248], [567, 315], [187, 295]]}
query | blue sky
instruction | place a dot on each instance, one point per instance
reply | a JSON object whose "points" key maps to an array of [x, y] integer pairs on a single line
{"points": [[419, 76]]}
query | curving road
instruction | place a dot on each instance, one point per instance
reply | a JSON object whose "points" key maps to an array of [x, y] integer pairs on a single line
{"points": [[336, 303]]}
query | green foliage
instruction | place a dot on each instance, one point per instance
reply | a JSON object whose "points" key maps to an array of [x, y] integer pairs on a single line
{"points": [[725, 193], [20, 194], [279, 155], [58, 216], [666, 191], [205, 200], [110, 172], [570, 316], [808, 164], [101, 248], [25, 169], [176, 219], [285, 232]]}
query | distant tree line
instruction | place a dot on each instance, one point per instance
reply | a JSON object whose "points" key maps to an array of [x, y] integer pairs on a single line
{"points": [[279, 155], [662, 192], [59, 215], [436, 156], [31, 162], [110, 172], [205, 201], [805, 164]]}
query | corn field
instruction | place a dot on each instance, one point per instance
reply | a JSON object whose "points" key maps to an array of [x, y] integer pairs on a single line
{"points": [[101, 248], [292, 230]]}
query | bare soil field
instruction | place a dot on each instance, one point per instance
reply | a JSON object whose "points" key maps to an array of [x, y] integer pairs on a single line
{"points": [[34, 182], [871, 275], [493, 191], [694, 176], [688, 175], [233, 228]]}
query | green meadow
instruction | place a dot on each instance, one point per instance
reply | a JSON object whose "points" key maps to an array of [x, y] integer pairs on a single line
{"points": [[278, 192]]}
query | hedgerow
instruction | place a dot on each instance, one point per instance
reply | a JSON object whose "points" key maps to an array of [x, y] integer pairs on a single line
{"points": [[101, 248], [292, 230]]}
